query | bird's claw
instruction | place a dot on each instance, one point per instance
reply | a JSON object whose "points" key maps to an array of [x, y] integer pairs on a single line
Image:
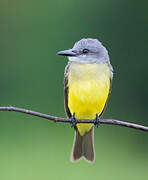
{"points": [[97, 120], [73, 120]]}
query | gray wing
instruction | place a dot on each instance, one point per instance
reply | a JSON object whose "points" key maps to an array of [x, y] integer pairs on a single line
{"points": [[111, 78], [67, 110]]}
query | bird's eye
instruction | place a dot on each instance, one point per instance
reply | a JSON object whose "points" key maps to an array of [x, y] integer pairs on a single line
{"points": [[85, 51]]}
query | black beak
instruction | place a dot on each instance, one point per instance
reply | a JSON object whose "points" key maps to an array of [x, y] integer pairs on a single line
{"points": [[69, 52]]}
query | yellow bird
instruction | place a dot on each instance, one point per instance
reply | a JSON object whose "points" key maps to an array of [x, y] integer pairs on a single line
{"points": [[87, 84]]}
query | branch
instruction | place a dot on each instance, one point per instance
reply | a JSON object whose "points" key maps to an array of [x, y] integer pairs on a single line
{"points": [[65, 120]]}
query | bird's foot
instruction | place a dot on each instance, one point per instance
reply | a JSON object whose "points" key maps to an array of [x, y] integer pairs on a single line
{"points": [[73, 120], [97, 120]]}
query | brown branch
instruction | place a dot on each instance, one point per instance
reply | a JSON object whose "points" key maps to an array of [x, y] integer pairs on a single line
{"points": [[59, 119]]}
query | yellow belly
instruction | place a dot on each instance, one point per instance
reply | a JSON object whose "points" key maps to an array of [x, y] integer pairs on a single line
{"points": [[89, 86]]}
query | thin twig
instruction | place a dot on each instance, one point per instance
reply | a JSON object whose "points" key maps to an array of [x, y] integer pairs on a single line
{"points": [[59, 119]]}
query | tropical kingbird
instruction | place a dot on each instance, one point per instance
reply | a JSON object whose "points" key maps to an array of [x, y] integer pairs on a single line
{"points": [[87, 84]]}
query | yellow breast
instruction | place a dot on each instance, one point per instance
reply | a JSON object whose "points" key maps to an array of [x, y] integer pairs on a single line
{"points": [[89, 86]]}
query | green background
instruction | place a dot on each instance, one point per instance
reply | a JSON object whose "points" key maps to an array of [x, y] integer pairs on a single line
{"points": [[31, 76]]}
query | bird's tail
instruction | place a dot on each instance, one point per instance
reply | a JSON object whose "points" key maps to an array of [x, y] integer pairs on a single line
{"points": [[83, 146]]}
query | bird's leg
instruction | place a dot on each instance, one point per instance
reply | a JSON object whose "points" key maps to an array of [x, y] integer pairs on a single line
{"points": [[97, 120], [73, 120]]}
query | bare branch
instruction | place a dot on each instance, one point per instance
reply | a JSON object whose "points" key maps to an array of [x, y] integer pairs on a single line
{"points": [[59, 119]]}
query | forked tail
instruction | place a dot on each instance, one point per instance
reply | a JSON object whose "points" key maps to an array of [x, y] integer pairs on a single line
{"points": [[83, 146]]}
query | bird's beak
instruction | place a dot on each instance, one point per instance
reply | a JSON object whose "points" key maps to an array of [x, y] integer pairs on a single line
{"points": [[69, 52]]}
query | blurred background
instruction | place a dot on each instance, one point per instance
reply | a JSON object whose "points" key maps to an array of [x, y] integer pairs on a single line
{"points": [[31, 77]]}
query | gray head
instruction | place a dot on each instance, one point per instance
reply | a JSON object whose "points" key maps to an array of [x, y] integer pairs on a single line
{"points": [[87, 51]]}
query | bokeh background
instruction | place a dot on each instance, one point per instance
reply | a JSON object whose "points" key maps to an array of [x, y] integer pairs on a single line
{"points": [[31, 76]]}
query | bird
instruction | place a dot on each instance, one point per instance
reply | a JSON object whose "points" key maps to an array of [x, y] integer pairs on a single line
{"points": [[87, 84]]}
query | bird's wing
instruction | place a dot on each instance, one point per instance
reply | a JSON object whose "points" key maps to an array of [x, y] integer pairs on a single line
{"points": [[111, 78], [67, 110]]}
